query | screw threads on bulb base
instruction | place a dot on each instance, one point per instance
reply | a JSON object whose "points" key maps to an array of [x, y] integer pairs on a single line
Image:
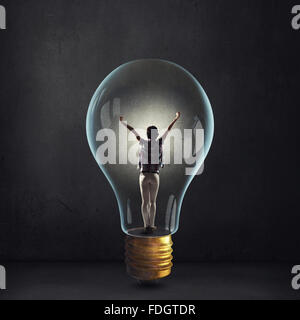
{"points": [[149, 258]]}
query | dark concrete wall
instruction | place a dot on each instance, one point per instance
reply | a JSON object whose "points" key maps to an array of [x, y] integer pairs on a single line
{"points": [[56, 204]]}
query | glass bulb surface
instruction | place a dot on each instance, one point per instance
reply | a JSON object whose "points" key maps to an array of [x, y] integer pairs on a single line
{"points": [[146, 93]]}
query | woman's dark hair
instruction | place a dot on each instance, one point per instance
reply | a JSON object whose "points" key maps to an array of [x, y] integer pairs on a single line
{"points": [[149, 131]]}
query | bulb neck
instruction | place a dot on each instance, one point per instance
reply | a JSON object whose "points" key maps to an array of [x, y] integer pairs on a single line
{"points": [[148, 258]]}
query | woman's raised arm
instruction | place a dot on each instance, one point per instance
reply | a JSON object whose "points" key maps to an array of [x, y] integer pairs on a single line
{"points": [[130, 128], [171, 125]]}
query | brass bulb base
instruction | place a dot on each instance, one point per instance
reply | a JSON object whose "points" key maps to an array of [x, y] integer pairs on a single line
{"points": [[148, 258]]}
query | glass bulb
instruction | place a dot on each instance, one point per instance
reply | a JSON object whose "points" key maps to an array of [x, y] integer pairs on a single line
{"points": [[149, 93]]}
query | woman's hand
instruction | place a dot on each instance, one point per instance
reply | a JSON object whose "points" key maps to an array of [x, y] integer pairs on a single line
{"points": [[178, 114]]}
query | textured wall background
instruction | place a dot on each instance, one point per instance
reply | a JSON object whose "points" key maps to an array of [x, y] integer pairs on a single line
{"points": [[56, 205]]}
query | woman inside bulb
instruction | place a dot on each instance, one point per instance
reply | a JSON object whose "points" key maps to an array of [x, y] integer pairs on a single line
{"points": [[150, 162]]}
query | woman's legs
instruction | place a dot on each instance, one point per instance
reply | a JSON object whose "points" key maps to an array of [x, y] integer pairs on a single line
{"points": [[149, 185], [145, 193], [154, 186]]}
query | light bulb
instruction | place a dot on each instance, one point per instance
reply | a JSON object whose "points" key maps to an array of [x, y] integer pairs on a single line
{"points": [[146, 93]]}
